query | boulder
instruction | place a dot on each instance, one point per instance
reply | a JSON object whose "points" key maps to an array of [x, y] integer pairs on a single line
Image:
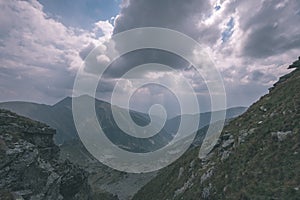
{"points": [[228, 143], [281, 136]]}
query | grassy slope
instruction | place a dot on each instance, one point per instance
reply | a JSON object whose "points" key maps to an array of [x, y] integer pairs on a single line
{"points": [[260, 168]]}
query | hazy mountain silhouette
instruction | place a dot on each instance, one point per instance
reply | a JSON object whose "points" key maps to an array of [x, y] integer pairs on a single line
{"points": [[59, 116]]}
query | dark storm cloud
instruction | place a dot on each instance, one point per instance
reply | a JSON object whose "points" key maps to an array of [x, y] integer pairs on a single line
{"points": [[174, 14], [262, 42], [178, 15], [183, 16], [139, 57], [272, 30]]}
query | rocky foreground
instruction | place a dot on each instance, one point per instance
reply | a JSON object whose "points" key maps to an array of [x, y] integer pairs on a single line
{"points": [[30, 167]]}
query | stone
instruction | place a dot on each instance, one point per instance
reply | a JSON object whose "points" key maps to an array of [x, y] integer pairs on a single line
{"points": [[225, 155], [226, 136], [262, 108], [243, 135], [192, 165], [281, 136], [181, 170], [251, 131], [188, 184], [207, 175], [227, 143], [206, 192]]}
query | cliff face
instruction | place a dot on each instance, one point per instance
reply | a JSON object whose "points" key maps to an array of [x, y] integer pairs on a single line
{"points": [[29, 165], [256, 157]]}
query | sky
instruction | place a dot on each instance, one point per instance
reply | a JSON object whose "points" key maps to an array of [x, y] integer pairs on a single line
{"points": [[43, 44]]}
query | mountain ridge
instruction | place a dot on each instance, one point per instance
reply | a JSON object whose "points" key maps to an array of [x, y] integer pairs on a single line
{"points": [[256, 156], [59, 116]]}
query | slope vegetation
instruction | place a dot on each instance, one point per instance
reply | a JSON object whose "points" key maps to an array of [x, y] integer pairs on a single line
{"points": [[256, 157]]}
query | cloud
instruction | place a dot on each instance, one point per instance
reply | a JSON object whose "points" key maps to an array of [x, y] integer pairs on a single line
{"points": [[175, 14], [105, 27], [257, 76], [103, 59], [139, 57], [83, 53], [271, 30], [43, 53], [251, 43]]}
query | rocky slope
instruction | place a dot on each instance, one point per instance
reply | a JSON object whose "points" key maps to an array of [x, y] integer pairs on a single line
{"points": [[123, 185], [30, 167], [256, 157], [100, 177]]}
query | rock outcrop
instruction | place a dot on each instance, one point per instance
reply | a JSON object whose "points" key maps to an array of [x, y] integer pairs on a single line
{"points": [[29, 164], [295, 64]]}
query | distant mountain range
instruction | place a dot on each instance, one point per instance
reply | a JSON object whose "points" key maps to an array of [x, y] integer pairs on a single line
{"points": [[205, 118], [59, 116]]}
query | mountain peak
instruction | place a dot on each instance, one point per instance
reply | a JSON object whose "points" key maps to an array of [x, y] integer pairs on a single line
{"points": [[67, 101]]}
